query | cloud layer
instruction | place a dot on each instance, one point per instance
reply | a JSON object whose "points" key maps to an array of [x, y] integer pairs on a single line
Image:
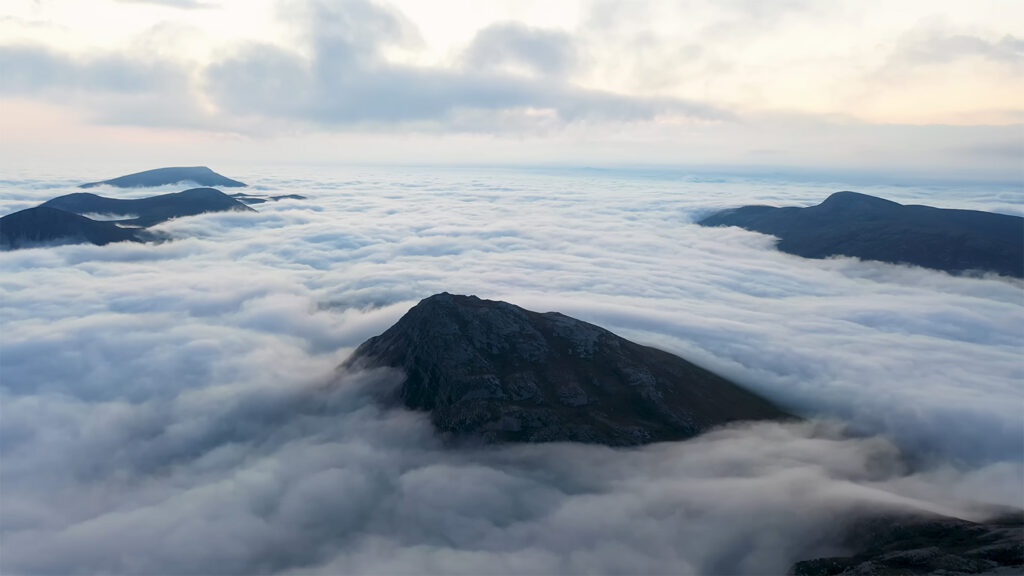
{"points": [[175, 407]]}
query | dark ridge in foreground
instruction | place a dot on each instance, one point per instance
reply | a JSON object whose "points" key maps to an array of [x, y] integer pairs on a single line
{"points": [[43, 225], [496, 372], [161, 176], [260, 198], [145, 212], [870, 228], [891, 545]]}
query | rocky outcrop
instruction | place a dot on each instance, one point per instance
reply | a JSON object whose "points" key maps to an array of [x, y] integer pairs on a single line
{"points": [[200, 175], [870, 228], [926, 544], [496, 372]]}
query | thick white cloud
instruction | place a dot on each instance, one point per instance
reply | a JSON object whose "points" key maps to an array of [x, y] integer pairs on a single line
{"points": [[175, 407]]}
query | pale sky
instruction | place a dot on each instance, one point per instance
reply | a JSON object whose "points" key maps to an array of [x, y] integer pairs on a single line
{"points": [[916, 86]]}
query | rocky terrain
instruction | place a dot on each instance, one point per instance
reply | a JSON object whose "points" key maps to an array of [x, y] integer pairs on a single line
{"points": [[870, 228], [200, 175], [891, 545], [495, 372]]}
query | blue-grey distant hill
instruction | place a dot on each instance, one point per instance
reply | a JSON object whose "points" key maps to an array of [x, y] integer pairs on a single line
{"points": [[64, 220], [261, 199], [42, 225], [149, 211], [870, 228], [162, 176]]}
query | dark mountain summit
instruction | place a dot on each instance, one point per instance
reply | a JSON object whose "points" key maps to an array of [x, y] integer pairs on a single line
{"points": [[870, 228], [160, 176], [43, 225], [497, 372], [149, 211]]}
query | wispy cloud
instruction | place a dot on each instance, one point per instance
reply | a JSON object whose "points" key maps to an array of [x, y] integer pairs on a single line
{"points": [[188, 4]]}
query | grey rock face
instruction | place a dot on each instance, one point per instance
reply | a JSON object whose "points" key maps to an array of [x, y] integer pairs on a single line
{"points": [[161, 176], [870, 228], [494, 371]]}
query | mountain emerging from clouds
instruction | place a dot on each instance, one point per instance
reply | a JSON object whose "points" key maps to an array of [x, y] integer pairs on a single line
{"points": [[870, 228], [152, 210], [497, 372], [64, 220], [44, 225], [161, 176]]}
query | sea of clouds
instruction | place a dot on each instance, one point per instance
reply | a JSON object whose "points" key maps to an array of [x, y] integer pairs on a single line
{"points": [[177, 408]]}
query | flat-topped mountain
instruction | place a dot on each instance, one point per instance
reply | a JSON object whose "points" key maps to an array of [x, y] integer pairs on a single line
{"points": [[870, 228], [149, 211], [43, 225], [161, 176], [494, 371]]}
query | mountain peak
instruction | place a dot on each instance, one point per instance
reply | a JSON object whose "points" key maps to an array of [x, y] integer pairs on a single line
{"points": [[494, 371], [201, 175], [847, 199]]}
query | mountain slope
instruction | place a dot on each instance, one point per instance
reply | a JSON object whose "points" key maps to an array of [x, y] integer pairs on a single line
{"points": [[149, 211], [908, 544], [46, 225], [870, 228], [497, 372], [160, 176]]}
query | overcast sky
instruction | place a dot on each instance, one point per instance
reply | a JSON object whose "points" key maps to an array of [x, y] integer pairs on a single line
{"points": [[926, 86]]}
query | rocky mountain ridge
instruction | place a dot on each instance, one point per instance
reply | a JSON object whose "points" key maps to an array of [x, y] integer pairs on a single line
{"points": [[499, 373]]}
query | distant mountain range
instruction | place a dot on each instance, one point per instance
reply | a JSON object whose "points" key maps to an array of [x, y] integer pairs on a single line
{"points": [[162, 176], [870, 228], [43, 225], [495, 372], [64, 220], [143, 212]]}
